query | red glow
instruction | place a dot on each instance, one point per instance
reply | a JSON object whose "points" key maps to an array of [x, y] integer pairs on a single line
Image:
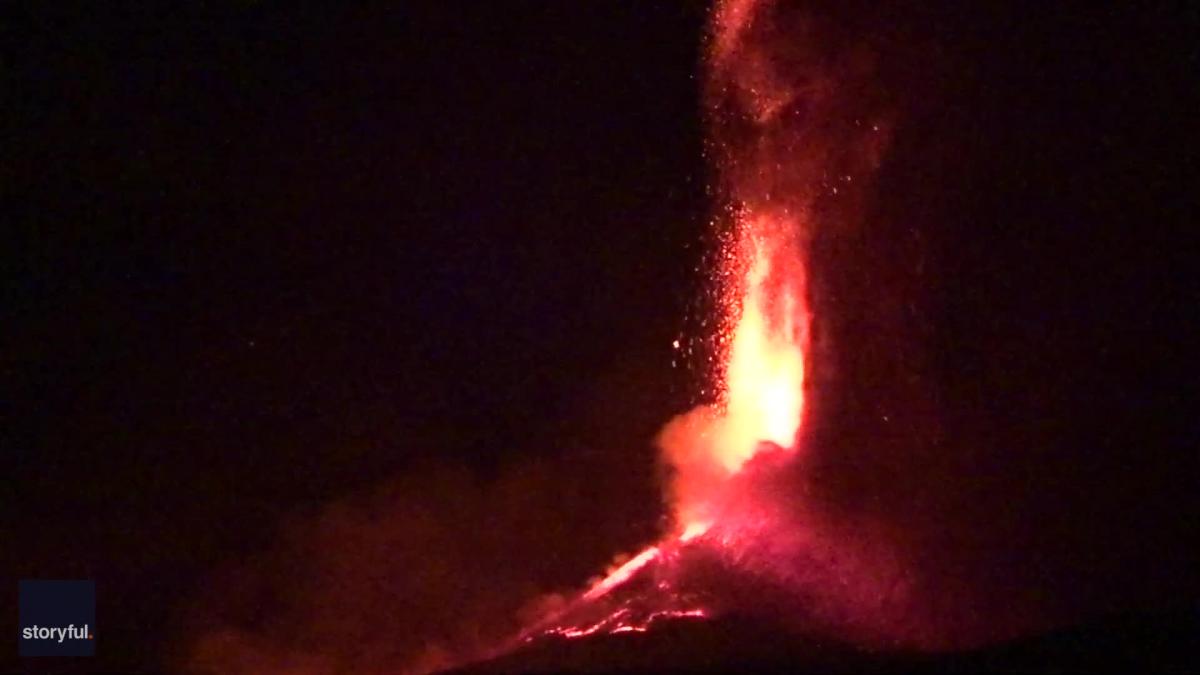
{"points": [[760, 391], [622, 573], [762, 335], [618, 622]]}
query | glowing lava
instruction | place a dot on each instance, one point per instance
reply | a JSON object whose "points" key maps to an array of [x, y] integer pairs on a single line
{"points": [[761, 400], [763, 394], [617, 622], [762, 339], [622, 573]]}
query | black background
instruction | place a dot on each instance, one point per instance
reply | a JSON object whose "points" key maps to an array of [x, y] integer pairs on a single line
{"points": [[259, 257]]}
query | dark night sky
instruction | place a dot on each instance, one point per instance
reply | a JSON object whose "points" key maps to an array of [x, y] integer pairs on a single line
{"points": [[262, 257], [267, 256]]}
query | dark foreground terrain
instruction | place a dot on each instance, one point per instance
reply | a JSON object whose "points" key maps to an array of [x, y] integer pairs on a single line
{"points": [[1158, 641]]}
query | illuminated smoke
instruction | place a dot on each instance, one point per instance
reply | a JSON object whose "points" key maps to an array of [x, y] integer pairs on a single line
{"points": [[794, 139], [789, 135], [761, 390]]}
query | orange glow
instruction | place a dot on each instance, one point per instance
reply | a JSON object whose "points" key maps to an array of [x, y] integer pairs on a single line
{"points": [[764, 380], [622, 573], [761, 335], [761, 293], [761, 399], [760, 380]]}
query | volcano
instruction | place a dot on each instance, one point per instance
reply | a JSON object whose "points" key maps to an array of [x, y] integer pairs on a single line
{"points": [[786, 335], [670, 608], [775, 550], [754, 569], [736, 542]]}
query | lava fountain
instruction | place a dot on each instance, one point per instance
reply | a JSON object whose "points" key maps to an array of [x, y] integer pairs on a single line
{"points": [[774, 106]]}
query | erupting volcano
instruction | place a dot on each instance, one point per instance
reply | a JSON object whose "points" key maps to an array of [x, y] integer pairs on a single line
{"points": [[796, 336], [781, 151], [759, 410]]}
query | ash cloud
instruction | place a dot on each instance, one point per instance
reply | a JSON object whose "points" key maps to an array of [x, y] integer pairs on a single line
{"points": [[425, 572]]}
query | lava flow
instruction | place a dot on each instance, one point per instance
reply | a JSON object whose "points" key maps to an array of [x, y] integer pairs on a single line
{"points": [[761, 342], [760, 408]]}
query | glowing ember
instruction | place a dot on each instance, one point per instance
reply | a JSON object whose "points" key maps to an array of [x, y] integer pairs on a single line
{"points": [[764, 323], [759, 385]]}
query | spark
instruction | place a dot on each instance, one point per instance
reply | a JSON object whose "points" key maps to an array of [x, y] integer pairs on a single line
{"points": [[755, 392]]}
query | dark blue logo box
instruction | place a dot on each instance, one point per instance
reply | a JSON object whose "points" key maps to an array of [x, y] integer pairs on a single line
{"points": [[57, 618]]}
